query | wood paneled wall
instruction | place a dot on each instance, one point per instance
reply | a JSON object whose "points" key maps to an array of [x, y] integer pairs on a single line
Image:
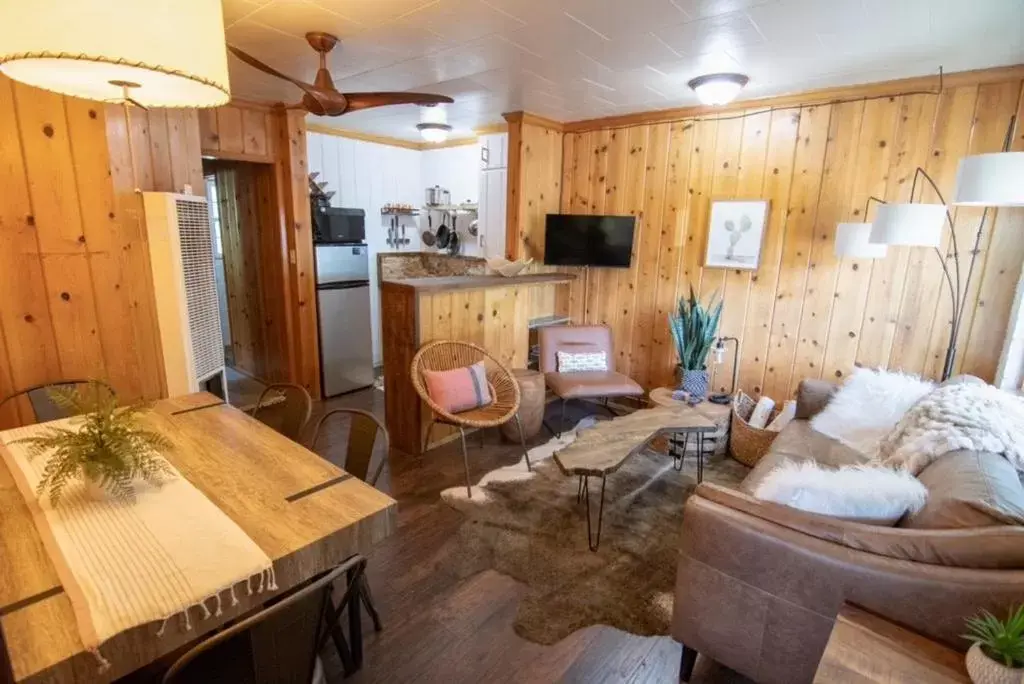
{"points": [[534, 191], [804, 313], [76, 299], [263, 135], [250, 227]]}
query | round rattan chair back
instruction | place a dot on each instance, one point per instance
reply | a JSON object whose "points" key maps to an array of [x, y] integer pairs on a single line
{"points": [[449, 355]]}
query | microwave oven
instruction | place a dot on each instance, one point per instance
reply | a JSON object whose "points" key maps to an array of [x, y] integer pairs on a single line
{"points": [[334, 225]]}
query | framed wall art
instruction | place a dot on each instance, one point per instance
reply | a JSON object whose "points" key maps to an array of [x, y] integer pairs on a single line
{"points": [[735, 234]]}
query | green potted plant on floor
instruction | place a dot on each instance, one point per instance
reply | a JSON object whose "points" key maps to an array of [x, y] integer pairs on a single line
{"points": [[997, 653], [105, 446], [694, 328]]}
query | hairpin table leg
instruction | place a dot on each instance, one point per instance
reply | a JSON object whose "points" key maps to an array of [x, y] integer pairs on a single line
{"points": [[593, 541], [679, 456], [700, 457]]}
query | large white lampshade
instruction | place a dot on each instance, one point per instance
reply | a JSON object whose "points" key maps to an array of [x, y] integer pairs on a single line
{"points": [[172, 52], [913, 225], [852, 241], [991, 180]]}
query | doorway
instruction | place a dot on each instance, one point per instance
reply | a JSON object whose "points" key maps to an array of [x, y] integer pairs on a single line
{"points": [[245, 228]]}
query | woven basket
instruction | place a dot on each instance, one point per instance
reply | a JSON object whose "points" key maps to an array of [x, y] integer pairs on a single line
{"points": [[747, 444]]}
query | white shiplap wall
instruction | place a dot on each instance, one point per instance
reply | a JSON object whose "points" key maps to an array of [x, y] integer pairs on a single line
{"points": [[368, 175]]}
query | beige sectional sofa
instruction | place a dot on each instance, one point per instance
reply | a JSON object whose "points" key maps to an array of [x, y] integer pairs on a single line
{"points": [[759, 584]]}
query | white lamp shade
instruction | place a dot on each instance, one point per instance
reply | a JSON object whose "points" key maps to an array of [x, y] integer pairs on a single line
{"points": [[852, 241], [913, 225], [991, 180], [173, 49]]}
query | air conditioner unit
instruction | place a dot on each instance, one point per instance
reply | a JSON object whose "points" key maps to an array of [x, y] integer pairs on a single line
{"points": [[181, 258]]}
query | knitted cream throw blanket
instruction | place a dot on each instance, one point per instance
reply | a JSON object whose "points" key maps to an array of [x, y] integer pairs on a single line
{"points": [[965, 416], [124, 565]]}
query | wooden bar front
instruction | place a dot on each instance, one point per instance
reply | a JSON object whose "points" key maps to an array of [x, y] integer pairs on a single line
{"points": [[489, 311]]}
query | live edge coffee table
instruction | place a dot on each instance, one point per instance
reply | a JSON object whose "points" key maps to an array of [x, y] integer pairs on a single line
{"points": [[601, 450]]}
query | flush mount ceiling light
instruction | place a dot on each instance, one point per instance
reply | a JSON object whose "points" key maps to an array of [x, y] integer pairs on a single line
{"points": [[165, 53], [718, 89], [433, 125]]}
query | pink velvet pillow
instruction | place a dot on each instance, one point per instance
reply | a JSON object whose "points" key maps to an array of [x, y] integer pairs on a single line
{"points": [[460, 389]]}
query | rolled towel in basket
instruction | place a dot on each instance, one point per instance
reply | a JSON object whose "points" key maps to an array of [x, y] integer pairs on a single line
{"points": [[762, 412]]}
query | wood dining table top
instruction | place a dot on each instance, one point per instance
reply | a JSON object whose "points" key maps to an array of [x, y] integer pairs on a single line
{"points": [[304, 512]]}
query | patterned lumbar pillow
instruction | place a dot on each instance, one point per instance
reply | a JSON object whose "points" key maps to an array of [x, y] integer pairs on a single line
{"points": [[570, 362], [459, 389]]}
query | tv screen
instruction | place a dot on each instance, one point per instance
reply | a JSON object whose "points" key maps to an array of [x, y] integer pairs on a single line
{"points": [[576, 240]]}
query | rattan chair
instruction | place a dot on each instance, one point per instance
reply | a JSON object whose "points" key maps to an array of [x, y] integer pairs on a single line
{"points": [[448, 355], [288, 416], [43, 407]]}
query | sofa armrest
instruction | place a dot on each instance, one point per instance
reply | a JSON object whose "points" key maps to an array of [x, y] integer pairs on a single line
{"points": [[759, 596], [812, 396]]}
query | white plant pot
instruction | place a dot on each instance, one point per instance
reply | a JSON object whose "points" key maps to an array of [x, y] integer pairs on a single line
{"points": [[984, 670], [94, 490]]}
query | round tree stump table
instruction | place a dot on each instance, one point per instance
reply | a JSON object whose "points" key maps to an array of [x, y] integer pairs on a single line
{"points": [[719, 414], [531, 404]]}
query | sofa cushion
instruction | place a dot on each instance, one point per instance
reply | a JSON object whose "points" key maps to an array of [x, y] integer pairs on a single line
{"points": [[799, 442], [592, 384], [969, 489], [812, 397]]}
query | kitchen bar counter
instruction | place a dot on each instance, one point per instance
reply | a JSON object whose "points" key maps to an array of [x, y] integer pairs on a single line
{"points": [[475, 282], [492, 312]]}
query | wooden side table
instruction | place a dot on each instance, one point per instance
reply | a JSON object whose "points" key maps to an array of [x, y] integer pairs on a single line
{"points": [[719, 414], [865, 648]]}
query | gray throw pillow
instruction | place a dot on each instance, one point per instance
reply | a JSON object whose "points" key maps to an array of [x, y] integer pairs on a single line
{"points": [[969, 489]]}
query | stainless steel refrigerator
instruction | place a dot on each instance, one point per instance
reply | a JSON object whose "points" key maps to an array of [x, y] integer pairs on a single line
{"points": [[343, 311]]}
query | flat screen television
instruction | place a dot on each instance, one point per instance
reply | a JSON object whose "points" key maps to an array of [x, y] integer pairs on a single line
{"points": [[577, 240]]}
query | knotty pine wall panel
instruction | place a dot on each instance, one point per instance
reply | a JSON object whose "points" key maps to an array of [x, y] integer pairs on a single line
{"points": [[803, 313], [77, 298]]}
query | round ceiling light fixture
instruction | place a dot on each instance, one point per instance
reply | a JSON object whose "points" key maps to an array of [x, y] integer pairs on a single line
{"points": [[433, 125], [718, 89]]}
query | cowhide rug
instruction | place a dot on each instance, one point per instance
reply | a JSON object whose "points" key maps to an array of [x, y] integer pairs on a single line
{"points": [[530, 526]]}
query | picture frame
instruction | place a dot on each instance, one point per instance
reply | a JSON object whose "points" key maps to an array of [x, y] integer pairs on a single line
{"points": [[736, 231]]}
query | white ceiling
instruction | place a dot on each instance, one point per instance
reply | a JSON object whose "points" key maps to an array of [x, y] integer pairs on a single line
{"points": [[579, 59]]}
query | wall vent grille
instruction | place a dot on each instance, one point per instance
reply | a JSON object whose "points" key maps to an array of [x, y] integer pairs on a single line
{"points": [[200, 286]]}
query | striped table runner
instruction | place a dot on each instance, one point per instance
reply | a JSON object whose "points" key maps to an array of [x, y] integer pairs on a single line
{"points": [[128, 564]]}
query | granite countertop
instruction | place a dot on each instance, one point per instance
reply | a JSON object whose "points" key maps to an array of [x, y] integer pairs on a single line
{"points": [[449, 283]]}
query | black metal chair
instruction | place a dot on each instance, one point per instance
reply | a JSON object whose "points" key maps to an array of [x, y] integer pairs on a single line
{"points": [[286, 408], [279, 644], [42, 405], [360, 439]]}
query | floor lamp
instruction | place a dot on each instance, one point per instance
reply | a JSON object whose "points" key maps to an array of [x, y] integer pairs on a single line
{"points": [[983, 180]]}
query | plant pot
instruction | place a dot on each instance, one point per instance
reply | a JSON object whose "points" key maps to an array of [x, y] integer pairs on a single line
{"points": [[984, 670], [694, 382], [94, 490]]}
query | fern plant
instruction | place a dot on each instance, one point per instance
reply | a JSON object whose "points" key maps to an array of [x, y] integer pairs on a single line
{"points": [[109, 446], [694, 328], [1000, 640]]}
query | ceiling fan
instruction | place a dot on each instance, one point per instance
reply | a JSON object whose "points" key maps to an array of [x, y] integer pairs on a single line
{"points": [[322, 98]]}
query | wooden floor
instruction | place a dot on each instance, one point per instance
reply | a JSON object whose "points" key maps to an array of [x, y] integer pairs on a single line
{"points": [[438, 628]]}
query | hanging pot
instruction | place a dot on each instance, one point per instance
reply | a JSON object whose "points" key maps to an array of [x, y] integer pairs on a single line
{"points": [[454, 244], [443, 236], [428, 238], [693, 382]]}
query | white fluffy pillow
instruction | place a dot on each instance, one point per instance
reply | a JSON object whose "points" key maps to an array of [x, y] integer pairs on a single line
{"points": [[870, 494], [869, 405]]}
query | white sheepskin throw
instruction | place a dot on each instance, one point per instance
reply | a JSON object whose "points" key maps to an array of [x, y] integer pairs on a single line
{"points": [[968, 416], [865, 493], [867, 407]]}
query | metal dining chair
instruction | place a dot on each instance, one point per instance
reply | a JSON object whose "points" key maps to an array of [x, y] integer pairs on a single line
{"points": [[361, 436], [286, 408], [277, 645], [44, 408]]}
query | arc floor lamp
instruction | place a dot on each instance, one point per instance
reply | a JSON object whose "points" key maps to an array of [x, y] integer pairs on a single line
{"points": [[983, 180]]}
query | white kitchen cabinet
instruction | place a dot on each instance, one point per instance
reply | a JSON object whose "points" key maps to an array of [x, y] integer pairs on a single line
{"points": [[494, 151], [491, 225]]}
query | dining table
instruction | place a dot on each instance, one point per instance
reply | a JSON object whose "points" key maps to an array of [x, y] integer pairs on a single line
{"points": [[305, 513]]}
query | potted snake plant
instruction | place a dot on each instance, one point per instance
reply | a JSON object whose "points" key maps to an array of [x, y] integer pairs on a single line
{"points": [[694, 328], [997, 653]]}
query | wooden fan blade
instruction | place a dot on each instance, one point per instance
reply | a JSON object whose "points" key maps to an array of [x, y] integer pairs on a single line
{"points": [[257, 64], [367, 100]]}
